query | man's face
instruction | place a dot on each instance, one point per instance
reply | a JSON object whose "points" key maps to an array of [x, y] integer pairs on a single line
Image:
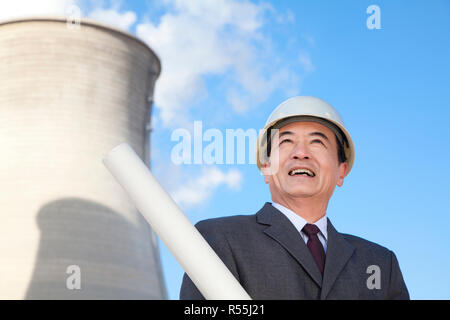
{"points": [[304, 145]]}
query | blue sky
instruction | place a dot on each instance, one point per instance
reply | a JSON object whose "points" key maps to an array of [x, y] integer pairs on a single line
{"points": [[229, 63]]}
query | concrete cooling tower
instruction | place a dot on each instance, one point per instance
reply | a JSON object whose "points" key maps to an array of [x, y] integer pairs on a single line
{"points": [[69, 94]]}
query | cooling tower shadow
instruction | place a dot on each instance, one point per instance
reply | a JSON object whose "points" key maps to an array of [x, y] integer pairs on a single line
{"points": [[117, 259]]}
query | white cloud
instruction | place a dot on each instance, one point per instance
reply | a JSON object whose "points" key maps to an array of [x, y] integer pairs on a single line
{"points": [[23, 8], [114, 17], [109, 12], [95, 9], [197, 38], [199, 189]]}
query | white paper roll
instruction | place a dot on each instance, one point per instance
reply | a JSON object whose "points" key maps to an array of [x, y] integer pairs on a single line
{"points": [[191, 250]]}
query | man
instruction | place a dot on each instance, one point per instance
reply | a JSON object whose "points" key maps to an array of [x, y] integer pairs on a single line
{"points": [[289, 249]]}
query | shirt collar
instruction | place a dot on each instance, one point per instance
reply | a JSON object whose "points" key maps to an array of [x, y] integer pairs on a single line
{"points": [[300, 222]]}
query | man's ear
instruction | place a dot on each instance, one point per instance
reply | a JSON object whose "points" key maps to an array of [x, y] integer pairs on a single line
{"points": [[266, 173], [267, 178], [272, 165], [343, 167]]}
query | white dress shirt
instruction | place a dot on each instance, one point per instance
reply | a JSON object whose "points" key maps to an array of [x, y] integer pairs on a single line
{"points": [[299, 223]]}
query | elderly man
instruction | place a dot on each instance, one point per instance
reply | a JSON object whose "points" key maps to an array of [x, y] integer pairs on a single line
{"points": [[289, 249]]}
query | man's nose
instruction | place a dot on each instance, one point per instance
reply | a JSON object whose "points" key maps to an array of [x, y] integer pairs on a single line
{"points": [[300, 151]]}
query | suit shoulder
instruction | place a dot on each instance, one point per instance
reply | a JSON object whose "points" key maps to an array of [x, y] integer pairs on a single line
{"points": [[226, 223], [219, 231], [366, 245]]}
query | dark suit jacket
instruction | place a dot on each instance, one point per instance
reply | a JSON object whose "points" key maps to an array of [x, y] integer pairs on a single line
{"points": [[269, 258]]}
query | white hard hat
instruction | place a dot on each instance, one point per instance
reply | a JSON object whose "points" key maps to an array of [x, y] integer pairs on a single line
{"points": [[305, 108]]}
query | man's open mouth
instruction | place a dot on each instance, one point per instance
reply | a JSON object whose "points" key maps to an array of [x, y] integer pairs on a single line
{"points": [[302, 171]]}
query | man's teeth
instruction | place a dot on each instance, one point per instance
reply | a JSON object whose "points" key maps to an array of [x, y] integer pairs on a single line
{"points": [[302, 171]]}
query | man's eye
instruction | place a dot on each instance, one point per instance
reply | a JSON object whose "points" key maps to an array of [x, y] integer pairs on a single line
{"points": [[317, 140], [286, 140]]}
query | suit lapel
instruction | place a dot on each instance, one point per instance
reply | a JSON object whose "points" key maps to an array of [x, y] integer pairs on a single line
{"points": [[338, 253], [281, 230]]}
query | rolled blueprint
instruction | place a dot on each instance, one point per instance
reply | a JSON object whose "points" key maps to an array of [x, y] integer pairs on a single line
{"points": [[191, 250]]}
